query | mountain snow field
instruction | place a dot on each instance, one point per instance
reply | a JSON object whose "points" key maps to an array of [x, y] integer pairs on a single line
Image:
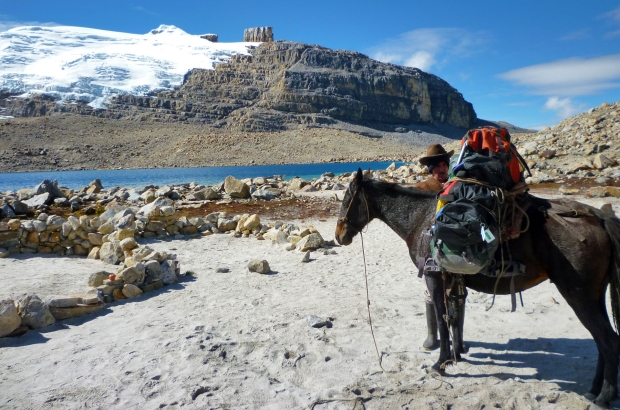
{"points": [[76, 63]]}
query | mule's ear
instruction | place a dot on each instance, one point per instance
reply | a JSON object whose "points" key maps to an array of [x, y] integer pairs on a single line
{"points": [[359, 176]]}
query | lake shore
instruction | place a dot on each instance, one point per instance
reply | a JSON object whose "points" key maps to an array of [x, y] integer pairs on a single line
{"points": [[242, 340]]}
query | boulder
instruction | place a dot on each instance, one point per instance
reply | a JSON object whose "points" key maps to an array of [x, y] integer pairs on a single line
{"points": [[97, 278], [62, 301], [94, 187], [9, 239], [38, 200], [309, 242], [236, 188], [95, 239], [153, 271], [128, 244], [158, 203], [210, 194], [49, 187], [34, 312], [226, 224], [107, 253], [601, 161], [259, 266], [94, 253], [131, 275], [7, 211], [297, 183], [126, 222], [251, 222], [131, 291], [168, 272], [9, 317], [14, 224], [76, 311], [20, 208]]}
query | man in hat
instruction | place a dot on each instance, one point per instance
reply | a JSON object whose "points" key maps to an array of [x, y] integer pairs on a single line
{"points": [[436, 160]]}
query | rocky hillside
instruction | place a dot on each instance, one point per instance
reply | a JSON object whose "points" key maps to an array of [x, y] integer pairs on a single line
{"points": [[282, 85], [585, 146]]}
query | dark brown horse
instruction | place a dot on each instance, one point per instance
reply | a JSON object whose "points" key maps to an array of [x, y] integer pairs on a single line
{"points": [[581, 256]]}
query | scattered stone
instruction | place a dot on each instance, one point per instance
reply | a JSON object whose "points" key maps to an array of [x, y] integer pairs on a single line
{"points": [[316, 321], [9, 317], [236, 188], [222, 270], [601, 161], [564, 190], [259, 266], [34, 312], [311, 242], [306, 257]]}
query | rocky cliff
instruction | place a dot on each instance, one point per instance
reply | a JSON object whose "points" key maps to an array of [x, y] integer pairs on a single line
{"points": [[284, 84]]}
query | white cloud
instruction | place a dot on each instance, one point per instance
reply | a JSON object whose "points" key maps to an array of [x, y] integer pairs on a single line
{"points": [[576, 35], [613, 15], [563, 107], [612, 34], [569, 78], [7, 24], [426, 48]]}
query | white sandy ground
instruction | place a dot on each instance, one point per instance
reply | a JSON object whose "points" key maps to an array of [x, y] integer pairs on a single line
{"points": [[240, 340]]}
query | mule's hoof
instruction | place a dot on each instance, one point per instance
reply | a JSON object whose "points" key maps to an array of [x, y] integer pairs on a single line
{"points": [[590, 396], [430, 345], [464, 348], [438, 367]]}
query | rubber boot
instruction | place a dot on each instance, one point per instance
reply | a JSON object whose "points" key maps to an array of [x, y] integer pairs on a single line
{"points": [[431, 342]]}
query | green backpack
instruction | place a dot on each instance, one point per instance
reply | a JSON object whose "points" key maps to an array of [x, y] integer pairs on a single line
{"points": [[465, 235]]}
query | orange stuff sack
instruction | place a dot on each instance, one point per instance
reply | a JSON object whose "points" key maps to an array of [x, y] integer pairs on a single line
{"points": [[495, 142]]}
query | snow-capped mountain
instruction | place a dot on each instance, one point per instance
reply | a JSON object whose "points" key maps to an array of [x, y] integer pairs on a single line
{"points": [[76, 63]]}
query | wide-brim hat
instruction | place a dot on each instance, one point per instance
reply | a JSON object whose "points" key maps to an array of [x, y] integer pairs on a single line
{"points": [[435, 153]]}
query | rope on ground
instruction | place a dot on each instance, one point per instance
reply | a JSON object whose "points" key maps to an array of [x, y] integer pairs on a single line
{"points": [[356, 400]]}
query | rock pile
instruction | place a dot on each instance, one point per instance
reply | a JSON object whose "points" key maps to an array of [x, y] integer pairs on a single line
{"points": [[583, 146]]}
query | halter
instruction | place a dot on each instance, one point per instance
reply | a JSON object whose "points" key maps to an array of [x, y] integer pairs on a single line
{"points": [[344, 219]]}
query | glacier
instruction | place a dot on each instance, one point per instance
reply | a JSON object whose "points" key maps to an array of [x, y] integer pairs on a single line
{"points": [[91, 65]]}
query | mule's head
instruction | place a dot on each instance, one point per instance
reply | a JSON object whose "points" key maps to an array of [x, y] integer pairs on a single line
{"points": [[354, 212]]}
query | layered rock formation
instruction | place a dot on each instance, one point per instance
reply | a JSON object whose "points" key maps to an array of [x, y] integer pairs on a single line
{"points": [[258, 34], [283, 84]]}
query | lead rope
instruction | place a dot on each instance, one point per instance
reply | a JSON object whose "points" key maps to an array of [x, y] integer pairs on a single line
{"points": [[433, 374], [368, 306]]}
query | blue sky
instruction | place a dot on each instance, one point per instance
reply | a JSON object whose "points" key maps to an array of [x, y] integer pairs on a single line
{"points": [[531, 63]]}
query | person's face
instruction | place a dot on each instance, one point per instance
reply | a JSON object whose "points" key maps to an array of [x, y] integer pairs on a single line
{"points": [[440, 172]]}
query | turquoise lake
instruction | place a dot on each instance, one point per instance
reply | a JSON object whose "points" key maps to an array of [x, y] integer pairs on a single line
{"points": [[168, 176]]}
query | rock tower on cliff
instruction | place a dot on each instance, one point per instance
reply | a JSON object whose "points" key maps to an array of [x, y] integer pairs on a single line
{"points": [[258, 34]]}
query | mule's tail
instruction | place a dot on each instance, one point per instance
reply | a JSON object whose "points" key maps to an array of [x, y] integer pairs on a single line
{"points": [[612, 226]]}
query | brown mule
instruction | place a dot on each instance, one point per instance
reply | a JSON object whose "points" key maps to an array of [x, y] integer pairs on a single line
{"points": [[581, 256]]}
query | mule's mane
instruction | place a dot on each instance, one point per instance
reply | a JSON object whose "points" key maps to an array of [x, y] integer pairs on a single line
{"points": [[389, 187]]}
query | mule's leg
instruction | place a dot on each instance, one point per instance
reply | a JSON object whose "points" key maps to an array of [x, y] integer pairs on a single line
{"points": [[434, 282], [456, 312], [593, 315]]}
